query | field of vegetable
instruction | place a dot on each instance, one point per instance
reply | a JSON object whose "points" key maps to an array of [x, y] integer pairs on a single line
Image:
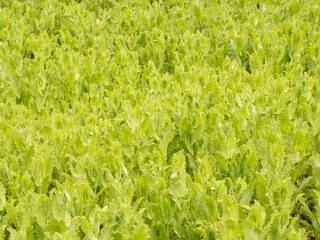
{"points": [[152, 119]]}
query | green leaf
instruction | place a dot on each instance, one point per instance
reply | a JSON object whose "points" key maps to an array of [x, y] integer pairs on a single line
{"points": [[257, 216], [230, 231], [56, 226], [316, 125], [284, 122], [141, 232], [3, 199], [167, 138], [249, 233], [252, 159], [295, 7], [261, 188], [229, 208], [316, 167], [34, 231], [246, 197]]}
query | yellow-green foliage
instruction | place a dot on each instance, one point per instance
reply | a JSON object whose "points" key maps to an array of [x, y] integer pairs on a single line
{"points": [[172, 119]]}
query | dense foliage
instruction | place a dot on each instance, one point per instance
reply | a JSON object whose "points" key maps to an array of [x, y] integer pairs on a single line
{"points": [[159, 119]]}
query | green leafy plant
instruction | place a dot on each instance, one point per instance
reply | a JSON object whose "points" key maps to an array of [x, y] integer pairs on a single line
{"points": [[159, 119]]}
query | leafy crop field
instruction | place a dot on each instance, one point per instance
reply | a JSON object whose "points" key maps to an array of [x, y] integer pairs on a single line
{"points": [[160, 119]]}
